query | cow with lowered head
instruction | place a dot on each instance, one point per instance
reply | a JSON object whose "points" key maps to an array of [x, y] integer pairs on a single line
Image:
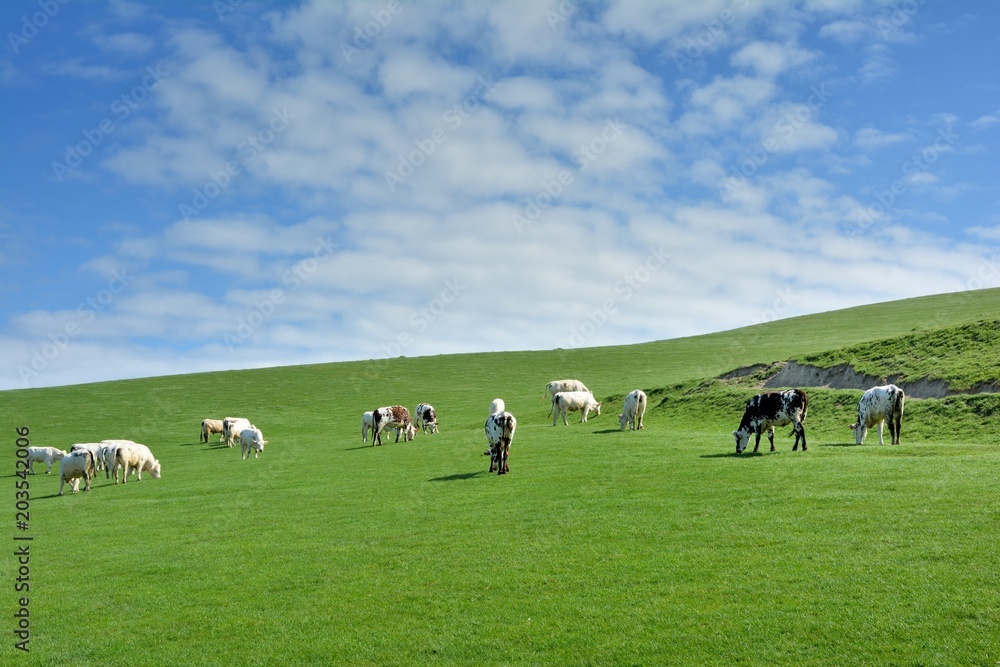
{"points": [[775, 408]]}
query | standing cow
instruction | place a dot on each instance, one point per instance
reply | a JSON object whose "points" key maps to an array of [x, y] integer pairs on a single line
{"points": [[46, 455], [879, 405], [393, 416], [564, 402], [78, 463], [425, 417], [500, 428], [232, 427], [210, 426], [251, 440], [635, 408], [775, 408], [556, 386]]}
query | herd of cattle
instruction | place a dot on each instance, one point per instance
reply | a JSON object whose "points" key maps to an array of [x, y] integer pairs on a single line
{"points": [[762, 414]]}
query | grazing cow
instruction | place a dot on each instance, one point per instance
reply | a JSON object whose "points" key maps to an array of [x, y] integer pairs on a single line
{"points": [[232, 427], [775, 408], [635, 408], [135, 457], [78, 463], [497, 406], [556, 386], [251, 440], [95, 449], [393, 416], [425, 417], [210, 426], [564, 402], [500, 432], [48, 455], [879, 405]]}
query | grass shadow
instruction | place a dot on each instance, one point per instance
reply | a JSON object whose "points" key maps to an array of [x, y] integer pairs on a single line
{"points": [[840, 444], [608, 430], [732, 455]]}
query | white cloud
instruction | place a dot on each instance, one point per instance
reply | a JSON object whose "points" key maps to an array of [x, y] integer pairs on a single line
{"points": [[870, 138], [769, 59]]}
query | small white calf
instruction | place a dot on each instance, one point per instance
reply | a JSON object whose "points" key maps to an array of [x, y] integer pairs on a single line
{"points": [[251, 440], [879, 405], [76, 464], [210, 426], [565, 402], [557, 386], [232, 427], [367, 424], [425, 417], [500, 428], [47, 455], [635, 408], [136, 457]]}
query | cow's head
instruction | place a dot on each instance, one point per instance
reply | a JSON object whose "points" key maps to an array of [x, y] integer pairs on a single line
{"points": [[595, 407], [860, 431], [742, 437], [623, 420], [155, 470]]}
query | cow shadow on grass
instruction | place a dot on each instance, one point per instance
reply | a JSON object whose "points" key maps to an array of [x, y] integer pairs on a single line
{"points": [[733, 455], [608, 430], [458, 476], [840, 444]]}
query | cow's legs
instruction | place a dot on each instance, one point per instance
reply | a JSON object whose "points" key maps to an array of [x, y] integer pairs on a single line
{"points": [[880, 441], [756, 444], [800, 432], [770, 437], [897, 419]]}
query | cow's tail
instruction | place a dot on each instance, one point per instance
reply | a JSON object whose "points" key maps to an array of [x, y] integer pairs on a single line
{"points": [[91, 466]]}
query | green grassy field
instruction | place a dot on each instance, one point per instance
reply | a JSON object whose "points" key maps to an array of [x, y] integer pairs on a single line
{"points": [[658, 547]]}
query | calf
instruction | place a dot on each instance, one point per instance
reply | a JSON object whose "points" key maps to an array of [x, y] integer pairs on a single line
{"points": [[635, 408], [393, 416], [251, 440], [367, 423], [556, 386], [425, 417], [879, 405], [564, 402], [77, 464], [48, 455], [775, 408], [210, 426], [500, 428]]}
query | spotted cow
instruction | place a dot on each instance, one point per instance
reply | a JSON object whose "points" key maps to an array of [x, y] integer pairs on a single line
{"points": [[393, 416], [775, 408], [879, 405], [500, 428], [425, 417]]}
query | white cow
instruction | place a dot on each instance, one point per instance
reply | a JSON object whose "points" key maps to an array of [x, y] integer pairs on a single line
{"points": [[232, 427], [635, 408], [425, 417], [48, 455], [367, 424], [497, 406], [879, 405], [109, 453], [556, 386], [564, 402], [135, 457], [95, 449], [500, 428], [76, 464], [251, 440], [210, 426]]}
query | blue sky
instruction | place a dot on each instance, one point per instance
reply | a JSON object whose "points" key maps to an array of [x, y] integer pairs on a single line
{"points": [[201, 186]]}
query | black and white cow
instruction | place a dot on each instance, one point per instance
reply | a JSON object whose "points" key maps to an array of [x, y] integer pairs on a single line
{"points": [[877, 406], [500, 432], [425, 417], [393, 416], [775, 408]]}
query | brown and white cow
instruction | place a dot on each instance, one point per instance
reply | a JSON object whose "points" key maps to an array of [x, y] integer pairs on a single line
{"points": [[210, 426], [500, 428], [879, 405], [775, 408], [393, 416]]}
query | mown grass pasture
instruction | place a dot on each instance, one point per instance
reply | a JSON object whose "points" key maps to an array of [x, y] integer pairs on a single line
{"points": [[601, 547]]}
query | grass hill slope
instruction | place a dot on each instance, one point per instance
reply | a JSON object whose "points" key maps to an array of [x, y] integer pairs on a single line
{"points": [[600, 547]]}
